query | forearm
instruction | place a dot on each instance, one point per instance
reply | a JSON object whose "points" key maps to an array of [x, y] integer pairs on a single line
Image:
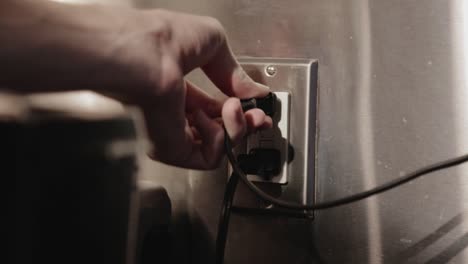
{"points": [[47, 46]]}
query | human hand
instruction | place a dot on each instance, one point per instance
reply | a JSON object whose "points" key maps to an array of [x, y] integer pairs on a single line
{"points": [[182, 120], [139, 57]]}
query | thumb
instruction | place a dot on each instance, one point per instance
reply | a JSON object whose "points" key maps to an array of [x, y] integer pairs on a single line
{"points": [[227, 74]]}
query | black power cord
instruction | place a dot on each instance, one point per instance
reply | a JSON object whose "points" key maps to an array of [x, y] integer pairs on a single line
{"points": [[238, 173], [223, 224], [268, 105], [340, 201]]}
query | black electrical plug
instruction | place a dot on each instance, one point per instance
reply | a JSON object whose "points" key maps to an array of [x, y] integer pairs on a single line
{"points": [[267, 104], [262, 162]]}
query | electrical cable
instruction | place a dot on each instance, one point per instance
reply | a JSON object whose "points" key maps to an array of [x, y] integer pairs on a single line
{"points": [[223, 224], [340, 201], [237, 173]]}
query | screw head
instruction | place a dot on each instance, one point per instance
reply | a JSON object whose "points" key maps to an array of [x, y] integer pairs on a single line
{"points": [[270, 70]]}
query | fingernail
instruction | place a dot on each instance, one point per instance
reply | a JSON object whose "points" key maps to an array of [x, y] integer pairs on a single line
{"points": [[262, 86], [263, 91]]}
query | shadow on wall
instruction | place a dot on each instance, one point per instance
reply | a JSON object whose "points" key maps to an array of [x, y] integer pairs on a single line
{"points": [[415, 97], [448, 252]]}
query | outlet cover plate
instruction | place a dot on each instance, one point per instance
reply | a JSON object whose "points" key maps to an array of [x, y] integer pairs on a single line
{"points": [[298, 78]]}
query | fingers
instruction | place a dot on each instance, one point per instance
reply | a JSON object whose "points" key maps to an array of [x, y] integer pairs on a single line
{"points": [[199, 147], [234, 120], [199, 144], [207, 154], [202, 42], [256, 119], [239, 124], [197, 99], [170, 134], [182, 125], [226, 73]]}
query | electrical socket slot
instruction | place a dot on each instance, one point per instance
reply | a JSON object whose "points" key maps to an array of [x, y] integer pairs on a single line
{"points": [[274, 138]]}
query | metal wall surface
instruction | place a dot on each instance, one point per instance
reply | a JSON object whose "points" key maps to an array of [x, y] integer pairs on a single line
{"points": [[392, 99]]}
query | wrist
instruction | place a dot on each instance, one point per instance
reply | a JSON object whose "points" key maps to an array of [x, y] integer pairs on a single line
{"points": [[53, 46]]}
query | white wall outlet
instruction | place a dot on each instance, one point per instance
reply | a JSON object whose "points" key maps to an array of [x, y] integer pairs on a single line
{"points": [[274, 138], [295, 83]]}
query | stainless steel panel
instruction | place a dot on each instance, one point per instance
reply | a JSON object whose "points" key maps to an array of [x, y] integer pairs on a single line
{"points": [[392, 97]]}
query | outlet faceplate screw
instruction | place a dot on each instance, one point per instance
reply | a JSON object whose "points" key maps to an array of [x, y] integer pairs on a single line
{"points": [[270, 70]]}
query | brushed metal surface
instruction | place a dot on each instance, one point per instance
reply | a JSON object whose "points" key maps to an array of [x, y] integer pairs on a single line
{"points": [[393, 97]]}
